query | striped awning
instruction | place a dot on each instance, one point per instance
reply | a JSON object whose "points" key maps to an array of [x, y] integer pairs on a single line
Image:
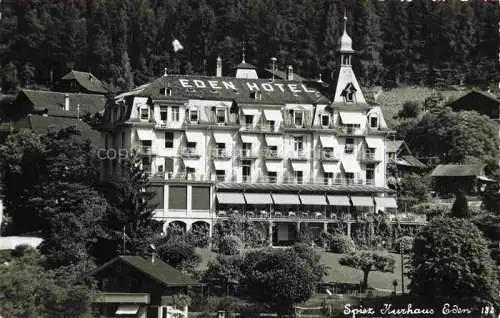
{"points": [[313, 199], [292, 199], [388, 202], [250, 139], [372, 142], [330, 167], [339, 200], [273, 166], [250, 111], [223, 138], [258, 198], [351, 166], [362, 201], [127, 310], [349, 118], [273, 114], [230, 198], [328, 141], [145, 134], [274, 140]]}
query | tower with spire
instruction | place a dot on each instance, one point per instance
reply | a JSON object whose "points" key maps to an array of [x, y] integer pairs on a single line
{"points": [[347, 89], [245, 70]]}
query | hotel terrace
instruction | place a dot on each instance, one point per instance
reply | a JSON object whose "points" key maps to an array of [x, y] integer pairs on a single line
{"points": [[276, 151]]}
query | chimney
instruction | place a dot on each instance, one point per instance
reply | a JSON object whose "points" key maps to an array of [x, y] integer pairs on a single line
{"points": [[218, 71], [66, 102], [289, 73]]}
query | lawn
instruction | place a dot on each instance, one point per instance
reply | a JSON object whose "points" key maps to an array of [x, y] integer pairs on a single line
{"points": [[344, 274], [337, 272]]}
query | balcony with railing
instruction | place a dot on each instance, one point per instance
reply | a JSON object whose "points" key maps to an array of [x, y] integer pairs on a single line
{"points": [[248, 154], [250, 127], [329, 155], [298, 155], [350, 131], [268, 179], [368, 157], [145, 150], [220, 153], [168, 124], [189, 152], [183, 176], [272, 154]]}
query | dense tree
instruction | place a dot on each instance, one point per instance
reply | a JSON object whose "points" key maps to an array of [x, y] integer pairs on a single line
{"points": [[130, 212], [398, 43], [367, 262], [280, 278], [454, 137], [27, 289], [451, 258], [224, 270], [411, 109], [460, 208]]}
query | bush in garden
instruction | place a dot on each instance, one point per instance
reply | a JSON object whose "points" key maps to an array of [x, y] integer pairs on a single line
{"points": [[230, 245], [341, 244], [407, 243]]}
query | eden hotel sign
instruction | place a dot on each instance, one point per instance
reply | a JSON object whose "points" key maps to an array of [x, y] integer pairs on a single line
{"points": [[252, 86]]}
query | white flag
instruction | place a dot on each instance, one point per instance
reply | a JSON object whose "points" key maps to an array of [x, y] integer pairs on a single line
{"points": [[177, 45]]}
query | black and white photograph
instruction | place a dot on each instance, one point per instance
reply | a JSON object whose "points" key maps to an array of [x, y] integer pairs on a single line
{"points": [[249, 158]]}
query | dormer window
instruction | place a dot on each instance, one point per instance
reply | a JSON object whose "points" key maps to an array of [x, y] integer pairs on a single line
{"points": [[325, 120], [193, 115], [220, 115], [374, 122], [144, 113], [349, 93], [256, 95], [298, 118], [167, 91]]}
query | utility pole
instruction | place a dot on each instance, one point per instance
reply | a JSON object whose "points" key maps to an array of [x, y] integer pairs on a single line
{"points": [[401, 250]]}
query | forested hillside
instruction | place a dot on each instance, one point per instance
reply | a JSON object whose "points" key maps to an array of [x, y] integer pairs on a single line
{"points": [[127, 42]]}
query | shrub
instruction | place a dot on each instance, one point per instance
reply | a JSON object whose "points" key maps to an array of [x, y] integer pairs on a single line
{"points": [[229, 245], [342, 244], [451, 258], [407, 243]]}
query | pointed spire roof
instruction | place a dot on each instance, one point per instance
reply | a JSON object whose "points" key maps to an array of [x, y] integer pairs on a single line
{"points": [[347, 90], [344, 43], [244, 65]]}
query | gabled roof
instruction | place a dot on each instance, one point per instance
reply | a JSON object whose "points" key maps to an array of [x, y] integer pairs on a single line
{"points": [[453, 170], [280, 94], [52, 103], [87, 81], [159, 271], [42, 124], [245, 66], [411, 161], [393, 145]]}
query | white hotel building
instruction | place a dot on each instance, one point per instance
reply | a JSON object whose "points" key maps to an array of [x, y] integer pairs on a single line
{"points": [[276, 151]]}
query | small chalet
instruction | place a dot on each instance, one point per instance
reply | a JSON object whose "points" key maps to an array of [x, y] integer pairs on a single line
{"points": [[133, 286], [401, 158], [43, 124], [447, 179], [54, 104], [482, 102], [81, 82]]}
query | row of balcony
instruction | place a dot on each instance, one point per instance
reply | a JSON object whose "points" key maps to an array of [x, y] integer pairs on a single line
{"points": [[322, 215], [265, 127], [218, 153], [182, 176]]}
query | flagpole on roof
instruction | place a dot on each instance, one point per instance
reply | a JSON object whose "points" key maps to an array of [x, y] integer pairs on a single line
{"points": [[124, 239]]}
